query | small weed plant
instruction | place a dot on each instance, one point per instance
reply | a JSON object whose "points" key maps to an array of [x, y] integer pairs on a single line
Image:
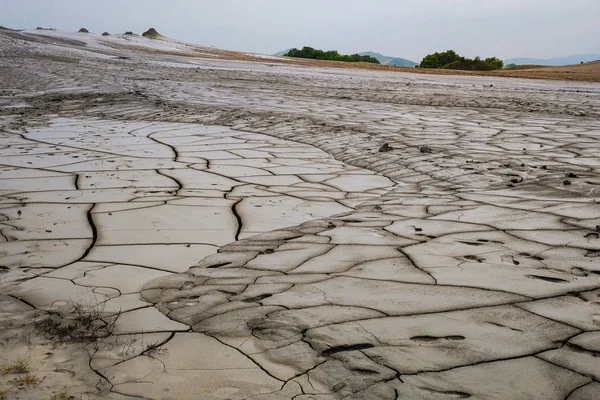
{"points": [[80, 323]]}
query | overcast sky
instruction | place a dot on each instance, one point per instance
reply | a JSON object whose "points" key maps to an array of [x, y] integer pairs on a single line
{"points": [[401, 28]]}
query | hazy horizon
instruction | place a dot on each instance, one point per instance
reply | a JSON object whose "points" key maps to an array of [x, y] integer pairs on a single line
{"points": [[508, 29]]}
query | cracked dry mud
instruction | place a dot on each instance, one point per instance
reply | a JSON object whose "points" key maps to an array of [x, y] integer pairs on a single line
{"points": [[259, 246]]}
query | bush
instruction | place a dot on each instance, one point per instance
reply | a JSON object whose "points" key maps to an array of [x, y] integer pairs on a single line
{"points": [[331, 55], [439, 60], [476, 64], [451, 60], [494, 62]]}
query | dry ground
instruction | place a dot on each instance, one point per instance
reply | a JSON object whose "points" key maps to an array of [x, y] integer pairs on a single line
{"points": [[258, 241], [588, 72]]}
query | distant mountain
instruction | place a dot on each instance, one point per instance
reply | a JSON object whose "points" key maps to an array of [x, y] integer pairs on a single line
{"points": [[281, 53], [557, 61], [399, 62]]}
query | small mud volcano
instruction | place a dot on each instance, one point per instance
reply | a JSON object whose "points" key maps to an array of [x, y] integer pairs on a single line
{"points": [[129, 33], [83, 30], [152, 34], [106, 34]]}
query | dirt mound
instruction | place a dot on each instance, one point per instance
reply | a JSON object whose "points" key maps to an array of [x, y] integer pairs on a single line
{"points": [[129, 33], [592, 64], [524, 66], [589, 71], [83, 30], [152, 34], [106, 34]]}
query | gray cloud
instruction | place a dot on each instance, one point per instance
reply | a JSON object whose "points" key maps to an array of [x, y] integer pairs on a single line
{"points": [[410, 28]]}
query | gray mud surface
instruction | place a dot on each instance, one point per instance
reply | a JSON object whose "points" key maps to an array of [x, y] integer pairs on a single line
{"points": [[249, 218]]}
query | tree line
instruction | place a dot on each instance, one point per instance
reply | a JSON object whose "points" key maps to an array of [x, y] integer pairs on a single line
{"points": [[452, 60], [331, 55], [446, 60]]}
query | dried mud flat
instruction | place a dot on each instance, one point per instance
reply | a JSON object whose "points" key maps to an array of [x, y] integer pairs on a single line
{"points": [[240, 226]]}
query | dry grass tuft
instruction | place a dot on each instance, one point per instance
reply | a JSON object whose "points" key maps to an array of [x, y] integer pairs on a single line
{"points": [[20, 366], [82, 323], [156, 349], [26, 381], [61, 396]]}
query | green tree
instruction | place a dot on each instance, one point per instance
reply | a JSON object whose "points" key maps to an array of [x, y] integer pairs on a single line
{"points": [[332, 55], [494, 62], [439, 60], [451, 60]]}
